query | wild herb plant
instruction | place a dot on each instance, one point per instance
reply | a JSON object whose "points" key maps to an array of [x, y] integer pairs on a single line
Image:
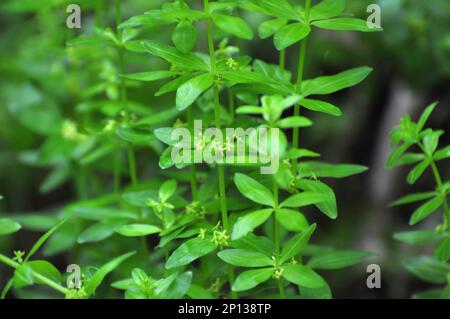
{"points": [[413, 143], [213, 219]]}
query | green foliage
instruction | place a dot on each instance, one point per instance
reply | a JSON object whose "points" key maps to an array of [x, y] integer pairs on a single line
{"points": [[404, 137], [194, 224]]}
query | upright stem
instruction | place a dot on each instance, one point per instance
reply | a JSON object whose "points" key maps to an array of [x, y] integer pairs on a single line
{"points": [[276, 234], [283, 59], [220, 169], [123, 94], [194, 189], [231, 103], [438, 179], [301, 67]]}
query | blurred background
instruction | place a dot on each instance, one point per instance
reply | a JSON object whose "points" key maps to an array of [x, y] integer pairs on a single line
{"points": [[43, 84]]}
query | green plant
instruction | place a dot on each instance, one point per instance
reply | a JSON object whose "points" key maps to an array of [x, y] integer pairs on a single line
{"points": [[415, 144], [211, 219]]}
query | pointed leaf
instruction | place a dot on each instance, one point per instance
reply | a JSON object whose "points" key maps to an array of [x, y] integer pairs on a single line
{"points": [[249, 222], [253, 190], [244, 258], [189, 92], [252, 278], [189, 251]]}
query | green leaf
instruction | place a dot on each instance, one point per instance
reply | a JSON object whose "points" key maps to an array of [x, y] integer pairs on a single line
{"points": [[183, 60], [426, 210], [304, 199], [442, 251], [244, 258], [431, 141], [320, 169], [151, 76], [135, 136], [279, 8], [323, 292], [417, 171], [268, 28], [394, 158], [337, 259], [99, 231], [249, 222], [294, 121], [36, 222], [46, 269], [255, 243], [137, 230], [418, 237], [23, 276], [251, 278], [95, 281], [320, 106], [303, 276], [189, 251], [345, 24], [253, 190], [189, 92], [329, 84], [327, 9], [233, 25], [424, 117], [198, 292], [43, 239], [296, 244], [329, 205], [8, 226], [291, 34], [184, 36], [407, 159], [442, 154], [178, 287], [167, 190], [242, 77], [171, 87], [428, 269], [292, 220]]}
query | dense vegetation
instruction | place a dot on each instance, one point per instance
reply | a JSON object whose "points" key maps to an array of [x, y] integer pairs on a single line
{"points": [[96, 110]]}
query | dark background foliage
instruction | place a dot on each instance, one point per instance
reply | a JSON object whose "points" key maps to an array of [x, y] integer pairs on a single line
{"points": [[42, 80]]}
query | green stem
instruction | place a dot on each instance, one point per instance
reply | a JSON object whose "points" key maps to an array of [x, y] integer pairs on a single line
{"points": [[231, 104], [132, 164], [438, 179], [276, 235], [193, 171], [123, 93], [220, 169], [36, 275], [117, 172], [301, 68], [283, 59]]}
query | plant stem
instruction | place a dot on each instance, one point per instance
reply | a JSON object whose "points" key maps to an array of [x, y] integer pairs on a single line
{"points": [[276, 234], [220, 169], [438, 179], [36, 275], [231, 103], [301, 68], [123, 94], [194, 189], [283, 59], [132, 163]]}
